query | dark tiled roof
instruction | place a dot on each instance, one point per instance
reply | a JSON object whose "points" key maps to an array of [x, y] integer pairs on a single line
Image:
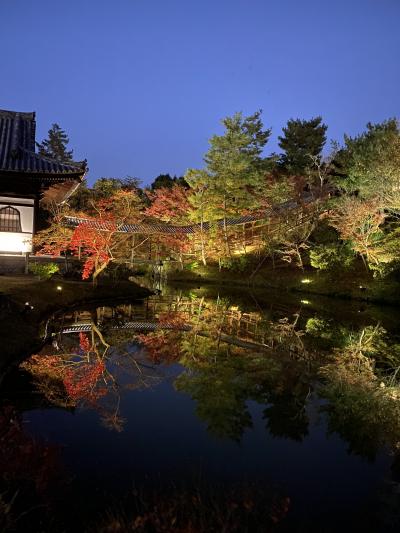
{"points": [[17, 150], [130, 228], [167, 229]]}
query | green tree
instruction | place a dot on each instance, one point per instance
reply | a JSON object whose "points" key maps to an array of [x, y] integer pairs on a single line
{"points": [[370, 164], [331, 256], [234, 174], [55, 146], [302, 143], [200, 199], [106, 187]]}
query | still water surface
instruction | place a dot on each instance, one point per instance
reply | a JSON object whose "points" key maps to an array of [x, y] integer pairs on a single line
{"points": [[202, 391]]}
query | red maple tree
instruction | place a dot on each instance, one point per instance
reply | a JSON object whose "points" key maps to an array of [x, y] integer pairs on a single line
{"points": [[169, 204], [97, 238]]}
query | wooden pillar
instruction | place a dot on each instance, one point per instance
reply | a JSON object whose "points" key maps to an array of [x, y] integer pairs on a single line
{"points": [[26, 269], [132, 250]]}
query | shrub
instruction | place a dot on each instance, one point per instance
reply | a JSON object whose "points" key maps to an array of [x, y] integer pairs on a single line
{"points": [[192, 266], [236, 264], [44, 270], [329, 257]]}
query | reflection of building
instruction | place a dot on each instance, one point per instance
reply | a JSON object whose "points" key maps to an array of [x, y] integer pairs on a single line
{"points": [[27, 181]]}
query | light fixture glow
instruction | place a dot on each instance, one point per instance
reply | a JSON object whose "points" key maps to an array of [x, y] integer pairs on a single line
{"points": [[306, 280]]}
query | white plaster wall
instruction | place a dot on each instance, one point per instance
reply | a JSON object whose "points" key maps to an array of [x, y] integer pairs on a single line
{"points": [[18, 242], [15, 242]]}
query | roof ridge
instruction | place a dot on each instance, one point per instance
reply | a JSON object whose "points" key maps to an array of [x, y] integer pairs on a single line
{"points": [[26, 115], [78, 164]]}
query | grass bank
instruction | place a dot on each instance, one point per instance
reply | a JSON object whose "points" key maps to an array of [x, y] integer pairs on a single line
{"points": [[351, 285]]}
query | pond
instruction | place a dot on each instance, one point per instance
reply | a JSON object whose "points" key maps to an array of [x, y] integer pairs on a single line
{"points": [[206, 410]]}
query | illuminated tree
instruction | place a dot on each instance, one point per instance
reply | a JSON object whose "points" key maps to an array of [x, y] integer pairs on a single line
{"points": [[233, 178], [169, 204], [370, 164], [97, 240], [360, 223]]}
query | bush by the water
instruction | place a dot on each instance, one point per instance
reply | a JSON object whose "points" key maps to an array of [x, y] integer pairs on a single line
{"points": [[44, 270], [235, 264], [331, 256]]}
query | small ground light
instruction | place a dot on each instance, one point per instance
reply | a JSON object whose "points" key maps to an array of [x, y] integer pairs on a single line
{"points": [[305, 302], [59, 288], [306, 280]]}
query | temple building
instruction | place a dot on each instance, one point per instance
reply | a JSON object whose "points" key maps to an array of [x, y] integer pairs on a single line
{"points": [[28, 181]]}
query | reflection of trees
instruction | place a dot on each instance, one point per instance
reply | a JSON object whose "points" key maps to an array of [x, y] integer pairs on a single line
{"points": [[164, 345], [363, 391], [221, 399], [88, 373], [224, 372], [232, 356], [224, 381], [286, 413]]}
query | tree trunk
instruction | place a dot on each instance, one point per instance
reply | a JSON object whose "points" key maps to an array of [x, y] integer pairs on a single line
{"points": [[225, 231], [98, 270], [203, 254], [132, 250], [299, 258]]}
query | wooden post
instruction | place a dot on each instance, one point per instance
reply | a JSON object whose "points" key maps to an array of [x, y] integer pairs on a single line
{"points": [[26, 270], [132, 250]]}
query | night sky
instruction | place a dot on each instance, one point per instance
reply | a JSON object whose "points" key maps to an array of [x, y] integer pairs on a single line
{"points": [[140, 85]]}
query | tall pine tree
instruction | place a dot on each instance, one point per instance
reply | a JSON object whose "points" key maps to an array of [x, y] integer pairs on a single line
{"points": [[234, 171], [55, 146], [302, 143], [233, 177]]}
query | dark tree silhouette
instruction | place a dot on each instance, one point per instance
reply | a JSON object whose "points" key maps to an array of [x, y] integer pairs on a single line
{"points": [[302, 143], [55, 146]]}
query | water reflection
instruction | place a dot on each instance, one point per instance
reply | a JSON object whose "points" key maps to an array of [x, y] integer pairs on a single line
{"points": [[297, 369], [83, 369], [229, 356]]}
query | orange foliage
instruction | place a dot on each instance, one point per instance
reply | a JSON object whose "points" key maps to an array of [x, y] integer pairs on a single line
{"points": [[169, 204]]}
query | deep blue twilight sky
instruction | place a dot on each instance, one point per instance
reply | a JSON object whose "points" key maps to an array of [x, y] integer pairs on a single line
{"points": [[140, 85]]}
